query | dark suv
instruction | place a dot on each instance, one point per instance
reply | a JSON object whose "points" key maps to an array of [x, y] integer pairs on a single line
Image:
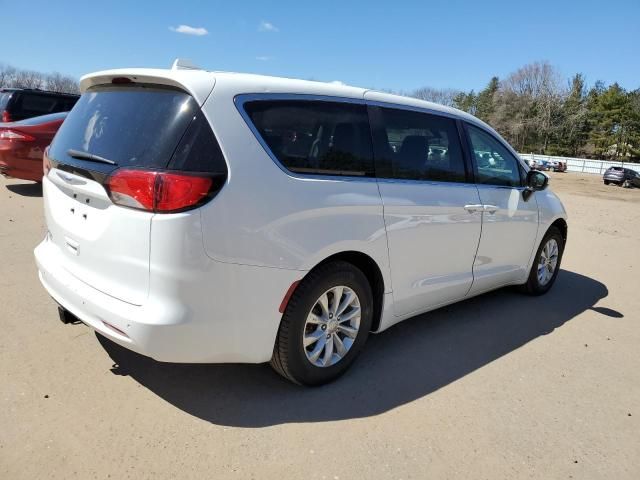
{"points": [[19, 104], [620, 176]]}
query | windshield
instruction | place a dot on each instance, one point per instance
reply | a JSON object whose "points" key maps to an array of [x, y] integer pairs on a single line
{"points": [[137, 125]]}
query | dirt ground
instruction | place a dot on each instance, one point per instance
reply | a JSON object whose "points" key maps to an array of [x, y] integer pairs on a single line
{"points": [[500, 386]]}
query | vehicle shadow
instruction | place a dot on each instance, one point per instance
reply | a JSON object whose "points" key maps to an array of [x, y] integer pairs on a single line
{"points": [[26, 189], [407, 362]]}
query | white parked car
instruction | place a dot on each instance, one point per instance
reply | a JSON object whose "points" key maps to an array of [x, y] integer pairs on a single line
{"points": [[199, 216]]}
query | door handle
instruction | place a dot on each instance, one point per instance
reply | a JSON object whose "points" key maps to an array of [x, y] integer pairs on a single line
{"points": [[474, 208], [490, 208]]}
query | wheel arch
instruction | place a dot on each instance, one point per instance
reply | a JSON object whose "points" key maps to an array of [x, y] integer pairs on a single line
{"points": [[371, 270], [561, 224]]}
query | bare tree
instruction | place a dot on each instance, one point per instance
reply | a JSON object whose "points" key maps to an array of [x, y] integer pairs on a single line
{"points": [[443, 96], [12, 77], [61, 83], [530, 102], [535, 80], [28, 79], [7, 74]]}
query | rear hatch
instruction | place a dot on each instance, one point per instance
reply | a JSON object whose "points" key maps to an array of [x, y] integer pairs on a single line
{"points": [[114, 129]]}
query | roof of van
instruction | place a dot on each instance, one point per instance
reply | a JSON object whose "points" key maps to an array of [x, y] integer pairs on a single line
{"points": [[200, 83]]}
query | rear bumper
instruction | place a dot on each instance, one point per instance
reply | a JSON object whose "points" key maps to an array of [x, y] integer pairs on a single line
{"points": [[24, 171], [94, 308], [15, 166], [230, 314], [613, 179]]}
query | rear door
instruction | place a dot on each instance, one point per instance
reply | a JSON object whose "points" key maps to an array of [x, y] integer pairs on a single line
{"points": [[431, 210], [106, 245]]}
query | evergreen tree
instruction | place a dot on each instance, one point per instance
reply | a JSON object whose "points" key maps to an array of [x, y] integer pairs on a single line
{"points": [[614, 131], [485, 100], [466, 102]]}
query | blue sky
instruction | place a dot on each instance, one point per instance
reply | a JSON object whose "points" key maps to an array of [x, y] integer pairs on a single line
{"points": [[395, 45]]}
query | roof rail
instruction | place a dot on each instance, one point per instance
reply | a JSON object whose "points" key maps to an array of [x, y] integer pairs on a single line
{"points": [[184, 64]]}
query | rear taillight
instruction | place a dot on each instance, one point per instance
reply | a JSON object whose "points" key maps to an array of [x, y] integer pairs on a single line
{"points": [[132, 188], [6, 117], [177, 191], [8, 134], [160, 192]]}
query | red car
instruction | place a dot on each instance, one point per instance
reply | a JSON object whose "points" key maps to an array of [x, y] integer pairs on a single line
{"points": [[22, 145]]}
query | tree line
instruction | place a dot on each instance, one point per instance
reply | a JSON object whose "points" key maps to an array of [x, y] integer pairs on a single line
{"points": [[537, 111], [11, 77]]}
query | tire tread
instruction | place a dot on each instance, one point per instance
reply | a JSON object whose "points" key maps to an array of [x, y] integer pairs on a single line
{"points": [[281, 355]]}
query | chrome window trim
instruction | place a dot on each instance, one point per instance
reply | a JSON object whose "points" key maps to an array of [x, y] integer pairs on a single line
{"points": [[411, 181]]}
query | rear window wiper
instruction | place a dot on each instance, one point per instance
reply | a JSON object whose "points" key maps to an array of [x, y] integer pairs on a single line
{"points": [[80, 155]]}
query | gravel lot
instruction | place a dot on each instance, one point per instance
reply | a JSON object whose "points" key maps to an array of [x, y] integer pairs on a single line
{"points": [[500, 386]]}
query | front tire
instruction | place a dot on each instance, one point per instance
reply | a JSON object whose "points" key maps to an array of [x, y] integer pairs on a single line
{"points": [[325, 325], [546, 263]]}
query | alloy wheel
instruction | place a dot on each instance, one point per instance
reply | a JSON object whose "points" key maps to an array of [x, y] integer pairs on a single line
{"points": [[332, 326], [548, 261]]}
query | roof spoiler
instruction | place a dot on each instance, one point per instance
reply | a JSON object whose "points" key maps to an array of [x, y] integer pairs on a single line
{"points": [[184, 64]]}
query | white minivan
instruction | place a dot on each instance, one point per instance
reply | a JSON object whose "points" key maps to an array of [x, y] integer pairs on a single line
{"points": [[200, 217]]}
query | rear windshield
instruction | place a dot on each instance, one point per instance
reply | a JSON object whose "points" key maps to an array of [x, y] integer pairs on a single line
{"points": [[139, 126], [135, 126]]}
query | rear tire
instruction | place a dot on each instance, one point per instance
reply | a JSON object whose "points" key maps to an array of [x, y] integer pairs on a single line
{"points": [[607, 182], [550, 251], [306, 321]]}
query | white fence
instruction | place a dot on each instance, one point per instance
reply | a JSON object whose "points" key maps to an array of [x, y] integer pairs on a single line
{"points": [[583, 165]]}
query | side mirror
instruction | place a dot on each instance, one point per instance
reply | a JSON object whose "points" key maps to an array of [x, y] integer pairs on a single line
{"points": [[536, 181]]}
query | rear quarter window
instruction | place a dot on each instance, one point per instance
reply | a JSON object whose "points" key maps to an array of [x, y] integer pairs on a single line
{"points": [[198, 150], [315, 137]]}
